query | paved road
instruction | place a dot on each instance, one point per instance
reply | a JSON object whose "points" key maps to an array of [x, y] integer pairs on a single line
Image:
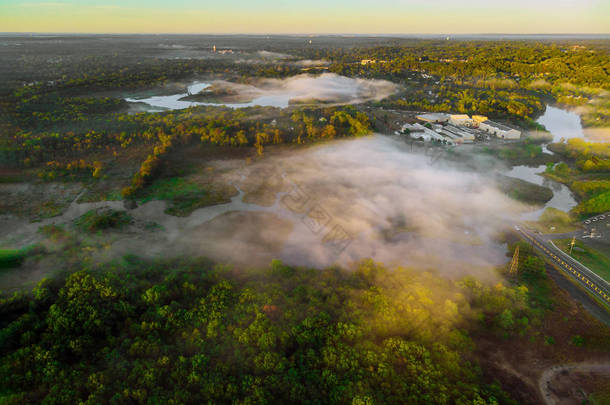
{"points": [[598, 227], [572, 268], [595, 229]]}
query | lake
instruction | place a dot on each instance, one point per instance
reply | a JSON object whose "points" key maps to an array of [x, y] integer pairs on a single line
{"points": [[561, 124]]}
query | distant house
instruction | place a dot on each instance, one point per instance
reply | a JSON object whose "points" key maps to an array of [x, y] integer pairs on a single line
{"points": [[460, 120], [499, 130], [433, 118], [369, 61]]}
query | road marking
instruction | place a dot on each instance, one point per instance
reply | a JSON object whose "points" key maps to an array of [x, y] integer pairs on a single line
{"points": [[565, 266]]}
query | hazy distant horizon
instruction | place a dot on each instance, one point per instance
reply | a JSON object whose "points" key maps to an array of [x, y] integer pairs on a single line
{"points": [[315, 16], [313, 35]]}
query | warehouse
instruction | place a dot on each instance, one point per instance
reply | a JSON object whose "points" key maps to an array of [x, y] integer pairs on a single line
{"points": [[466, 137], [460, 120], [499, 130], [433, 118]]}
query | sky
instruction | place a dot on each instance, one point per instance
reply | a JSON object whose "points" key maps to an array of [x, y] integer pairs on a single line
{"points": [[307, 17]]}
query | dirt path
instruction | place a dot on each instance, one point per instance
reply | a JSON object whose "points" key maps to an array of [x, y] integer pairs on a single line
{"points": [[561, 384]]}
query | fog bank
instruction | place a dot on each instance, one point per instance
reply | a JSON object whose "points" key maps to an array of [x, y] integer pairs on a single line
{"points": [[370, 197], [327, 88], [334, 203]]}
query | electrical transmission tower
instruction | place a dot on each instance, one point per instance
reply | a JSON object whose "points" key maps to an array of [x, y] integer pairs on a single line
{"points": [[514, 263]]}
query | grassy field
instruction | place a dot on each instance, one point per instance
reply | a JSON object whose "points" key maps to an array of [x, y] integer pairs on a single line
{"points": [[185, 196], [518, 153], [593, 259], [101, 219], [553, 220]]}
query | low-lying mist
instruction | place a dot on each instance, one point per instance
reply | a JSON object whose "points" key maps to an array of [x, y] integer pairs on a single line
{"points": [[362, 198], [327, 88], [334, 203]]}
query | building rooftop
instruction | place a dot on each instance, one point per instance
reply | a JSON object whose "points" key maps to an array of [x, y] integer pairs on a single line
{"points": [[433, 117], [497, 125], [459, 132]]}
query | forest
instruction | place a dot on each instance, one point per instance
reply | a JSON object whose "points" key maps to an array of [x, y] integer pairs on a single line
{"points": [[190, 331], [70, 109], [42, 140], [502, 79]]}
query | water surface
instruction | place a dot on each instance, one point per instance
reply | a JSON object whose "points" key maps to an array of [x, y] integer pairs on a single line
{"points": [[561, 123], [326, 88], [562, 196]]}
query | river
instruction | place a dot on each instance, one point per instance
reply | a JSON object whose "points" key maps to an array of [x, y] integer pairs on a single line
{"points": [[562, 196], [176, 102], [561, 124]]}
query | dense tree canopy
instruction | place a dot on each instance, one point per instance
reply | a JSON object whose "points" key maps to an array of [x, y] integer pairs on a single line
{"points": [[190, 332]]}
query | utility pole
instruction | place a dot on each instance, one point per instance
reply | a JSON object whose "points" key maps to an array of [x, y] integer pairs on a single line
{"points": [[572, 244], [514, 263]]}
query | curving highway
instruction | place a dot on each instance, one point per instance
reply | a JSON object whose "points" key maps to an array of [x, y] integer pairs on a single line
{"points": [[574, 269]]}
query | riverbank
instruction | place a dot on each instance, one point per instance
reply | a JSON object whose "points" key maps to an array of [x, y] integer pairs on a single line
{"points": [[524, 191]]}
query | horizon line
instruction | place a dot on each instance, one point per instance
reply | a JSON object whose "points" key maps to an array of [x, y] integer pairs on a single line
{"points": [[308, 34]]}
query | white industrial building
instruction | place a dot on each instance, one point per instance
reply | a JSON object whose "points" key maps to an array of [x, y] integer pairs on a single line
{"points": [[458, 128], [465, 136], [436, 118], [499, 130], [418, 131], [460, 120]]}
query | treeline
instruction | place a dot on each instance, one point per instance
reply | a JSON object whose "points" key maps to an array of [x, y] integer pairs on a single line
{"points": [[217, 126], [73, 169], [524, 62], [588, 156], [48, 117], [520, 108], [41, 110], [189, 332], [74, 75], [231, 128], [586, 173], [507, 78]]}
